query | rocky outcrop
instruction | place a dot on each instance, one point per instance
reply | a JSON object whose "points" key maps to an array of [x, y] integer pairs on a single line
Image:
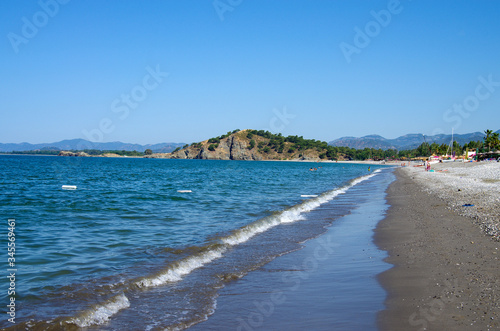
{"points": [[222, 151], [240, 151], [230, 148], [68, 153], [187, 153]]}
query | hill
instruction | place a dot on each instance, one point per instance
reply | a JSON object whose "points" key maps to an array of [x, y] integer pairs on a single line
{"points": [[255, 145]]}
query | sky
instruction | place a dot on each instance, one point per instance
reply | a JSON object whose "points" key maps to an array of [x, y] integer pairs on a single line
{"points": [[185, 70]]}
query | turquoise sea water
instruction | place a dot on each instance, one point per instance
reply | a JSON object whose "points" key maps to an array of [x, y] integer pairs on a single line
{"points": [[127, 246]]}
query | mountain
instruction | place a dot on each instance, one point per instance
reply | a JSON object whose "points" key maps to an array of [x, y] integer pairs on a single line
{"points": [[409, 141], [80, 144]]}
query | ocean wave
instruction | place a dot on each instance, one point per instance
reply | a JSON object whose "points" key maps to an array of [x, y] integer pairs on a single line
{"points": [[290, 215], [101, 313], [182, 268]]}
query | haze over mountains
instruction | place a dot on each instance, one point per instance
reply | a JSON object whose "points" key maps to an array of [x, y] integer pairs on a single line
{"points": [[408, 141]]}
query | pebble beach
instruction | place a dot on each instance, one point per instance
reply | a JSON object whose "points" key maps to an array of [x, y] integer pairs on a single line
{"points": [[471, 189], [441, 235]]}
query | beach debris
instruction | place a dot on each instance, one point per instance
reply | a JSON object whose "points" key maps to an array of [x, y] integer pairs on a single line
{"points": [[69, 187], [184, 191], [468, 205]]}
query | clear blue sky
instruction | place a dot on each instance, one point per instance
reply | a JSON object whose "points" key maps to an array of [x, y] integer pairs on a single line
{"points": [[72, 73]]}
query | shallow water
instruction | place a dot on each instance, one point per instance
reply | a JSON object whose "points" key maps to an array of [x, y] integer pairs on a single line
{"points": [[127, 249], [329, 284]]}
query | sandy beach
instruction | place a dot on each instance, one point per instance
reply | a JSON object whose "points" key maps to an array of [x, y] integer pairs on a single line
{"points": [[445, 254]]}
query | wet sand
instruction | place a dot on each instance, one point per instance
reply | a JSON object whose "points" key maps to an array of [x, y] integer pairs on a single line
{"points": [[446, 273]]}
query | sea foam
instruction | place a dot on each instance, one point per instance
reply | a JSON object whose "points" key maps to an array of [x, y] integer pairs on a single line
{"points": [[100, 314]]}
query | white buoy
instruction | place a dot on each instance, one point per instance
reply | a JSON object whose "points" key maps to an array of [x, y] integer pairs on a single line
{"points": [[69, 187], [308, 195], [184, 191]]}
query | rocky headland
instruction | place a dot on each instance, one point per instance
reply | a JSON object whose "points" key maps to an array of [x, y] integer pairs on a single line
{"points": [[246, 145]]}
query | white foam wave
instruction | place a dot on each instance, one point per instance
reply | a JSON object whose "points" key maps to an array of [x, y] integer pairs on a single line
{"points": [[182, 268], [294, 214], [100, 314], [247, 232]]}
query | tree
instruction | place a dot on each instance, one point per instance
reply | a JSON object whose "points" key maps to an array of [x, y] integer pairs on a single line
{"points": [[495, 141], [148, 152], [252, 144], [488, 139]]}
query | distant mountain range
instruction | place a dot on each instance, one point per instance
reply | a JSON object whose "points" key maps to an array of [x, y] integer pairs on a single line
{"points": [[409, 141], [80, 144]]}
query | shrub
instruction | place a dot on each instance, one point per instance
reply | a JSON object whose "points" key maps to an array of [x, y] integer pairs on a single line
{"points": [[213, 140], [252, 144]]}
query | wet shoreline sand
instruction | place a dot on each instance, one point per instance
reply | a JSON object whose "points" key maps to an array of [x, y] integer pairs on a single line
{"points": [[446, 266]]}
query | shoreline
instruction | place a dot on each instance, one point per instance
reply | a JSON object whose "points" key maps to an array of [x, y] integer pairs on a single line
{"points": [[327, 283], [445, 274]]}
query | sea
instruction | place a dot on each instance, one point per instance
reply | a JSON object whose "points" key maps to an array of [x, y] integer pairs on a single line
{"points": [[160, 244]]}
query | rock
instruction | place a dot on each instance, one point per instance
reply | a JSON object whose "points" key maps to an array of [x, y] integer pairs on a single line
{"points": [[68, 153], [240, 151]]}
